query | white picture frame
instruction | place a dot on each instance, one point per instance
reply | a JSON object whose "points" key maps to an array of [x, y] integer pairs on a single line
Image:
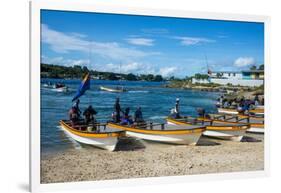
{"points": [[36, 6]]}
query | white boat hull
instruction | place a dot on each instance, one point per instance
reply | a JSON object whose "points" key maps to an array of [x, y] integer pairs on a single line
{"points": [[184, 139], [62, 89], [108, 143], [111, 90], [255, 130], [224, 134]]}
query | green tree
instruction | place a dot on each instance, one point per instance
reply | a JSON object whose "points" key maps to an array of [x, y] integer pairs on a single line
{"points": [[158, 78], [131, 77], [261, 67], [85, 69], [254, 67]]}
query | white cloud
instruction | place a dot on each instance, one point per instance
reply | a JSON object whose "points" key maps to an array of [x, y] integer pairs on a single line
{"points": [[244, 61], [134, 67], [188, 41], [141, 41], [64, 62], [64, 43], [138, 68], [167, 71]]}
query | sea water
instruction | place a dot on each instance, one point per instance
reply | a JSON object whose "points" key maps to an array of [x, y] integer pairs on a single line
{"points": [[155, 100]]}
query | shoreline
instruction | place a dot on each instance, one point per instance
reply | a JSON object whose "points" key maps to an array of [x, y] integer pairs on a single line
{"points": [[137, 158]]}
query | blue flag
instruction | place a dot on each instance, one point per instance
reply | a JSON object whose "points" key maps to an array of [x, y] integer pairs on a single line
{"points": [[85, 85]]}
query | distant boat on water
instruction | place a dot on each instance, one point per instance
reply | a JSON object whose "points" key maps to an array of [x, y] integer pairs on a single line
{"points": [[57, 87], [116, 89]]}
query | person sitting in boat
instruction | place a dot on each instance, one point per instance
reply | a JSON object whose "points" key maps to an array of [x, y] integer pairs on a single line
{"points": [[257, 100], [76, 106], [138, 115], [89, 115], [73, 116], [226, 104], [201, 112], [118, 110], [126, 119], [220, 101]]}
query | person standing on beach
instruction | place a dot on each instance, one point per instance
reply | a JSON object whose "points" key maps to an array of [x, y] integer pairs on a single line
{"points": [[177, 108], [118, 110]]}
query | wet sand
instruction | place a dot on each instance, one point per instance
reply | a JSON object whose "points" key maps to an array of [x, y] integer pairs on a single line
{"points": [[137, 158]]}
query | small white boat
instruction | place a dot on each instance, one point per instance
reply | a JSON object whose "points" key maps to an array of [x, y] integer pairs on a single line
{"points": [[104, 136], [117, 89], [222, 131], [60, 89], [185, 135]]}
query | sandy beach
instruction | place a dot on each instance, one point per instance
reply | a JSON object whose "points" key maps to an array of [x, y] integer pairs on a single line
{"points": [[137, 158]]}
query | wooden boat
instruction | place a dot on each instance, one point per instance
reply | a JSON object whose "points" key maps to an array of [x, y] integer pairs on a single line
{"points": [[256, 123], [117, 89], [104, 136], [216, 130], [186, 135]]}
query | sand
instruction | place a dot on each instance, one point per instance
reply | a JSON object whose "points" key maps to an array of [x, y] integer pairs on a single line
{"points": [[138, 158]]}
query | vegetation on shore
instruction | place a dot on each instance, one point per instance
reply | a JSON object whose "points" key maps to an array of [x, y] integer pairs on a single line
{"points": [[69, 72]]}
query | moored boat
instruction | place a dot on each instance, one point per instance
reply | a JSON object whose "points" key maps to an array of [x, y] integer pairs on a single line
{"points": [[61, 89], [117, 89], [256, 123], [103, 136], [216, 130], [185, 135]]}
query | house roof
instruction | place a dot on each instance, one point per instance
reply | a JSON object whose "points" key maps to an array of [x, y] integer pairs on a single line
{"points": [[226, 72], [253, 71]]}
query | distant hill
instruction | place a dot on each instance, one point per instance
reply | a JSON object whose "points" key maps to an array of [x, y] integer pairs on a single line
{"points": [[77, 72]]}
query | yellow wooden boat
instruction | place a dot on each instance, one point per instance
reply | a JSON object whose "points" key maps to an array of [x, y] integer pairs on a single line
{"points": [[256, 123], [217, 130], [187, 135], [103, 136]]}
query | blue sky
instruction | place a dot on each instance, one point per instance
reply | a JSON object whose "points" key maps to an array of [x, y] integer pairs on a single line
{"points": [[141, 44]]}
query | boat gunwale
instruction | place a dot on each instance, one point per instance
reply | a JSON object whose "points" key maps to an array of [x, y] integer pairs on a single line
{"points": [[214, 127], [91, 135], [259, 125], [261, 111], [162, 132]]}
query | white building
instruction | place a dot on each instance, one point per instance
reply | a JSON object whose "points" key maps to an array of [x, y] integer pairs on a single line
{"points": [[243, 78]]}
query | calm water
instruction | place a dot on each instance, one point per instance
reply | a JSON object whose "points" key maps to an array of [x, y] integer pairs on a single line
{"points": [[155, 101]]}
